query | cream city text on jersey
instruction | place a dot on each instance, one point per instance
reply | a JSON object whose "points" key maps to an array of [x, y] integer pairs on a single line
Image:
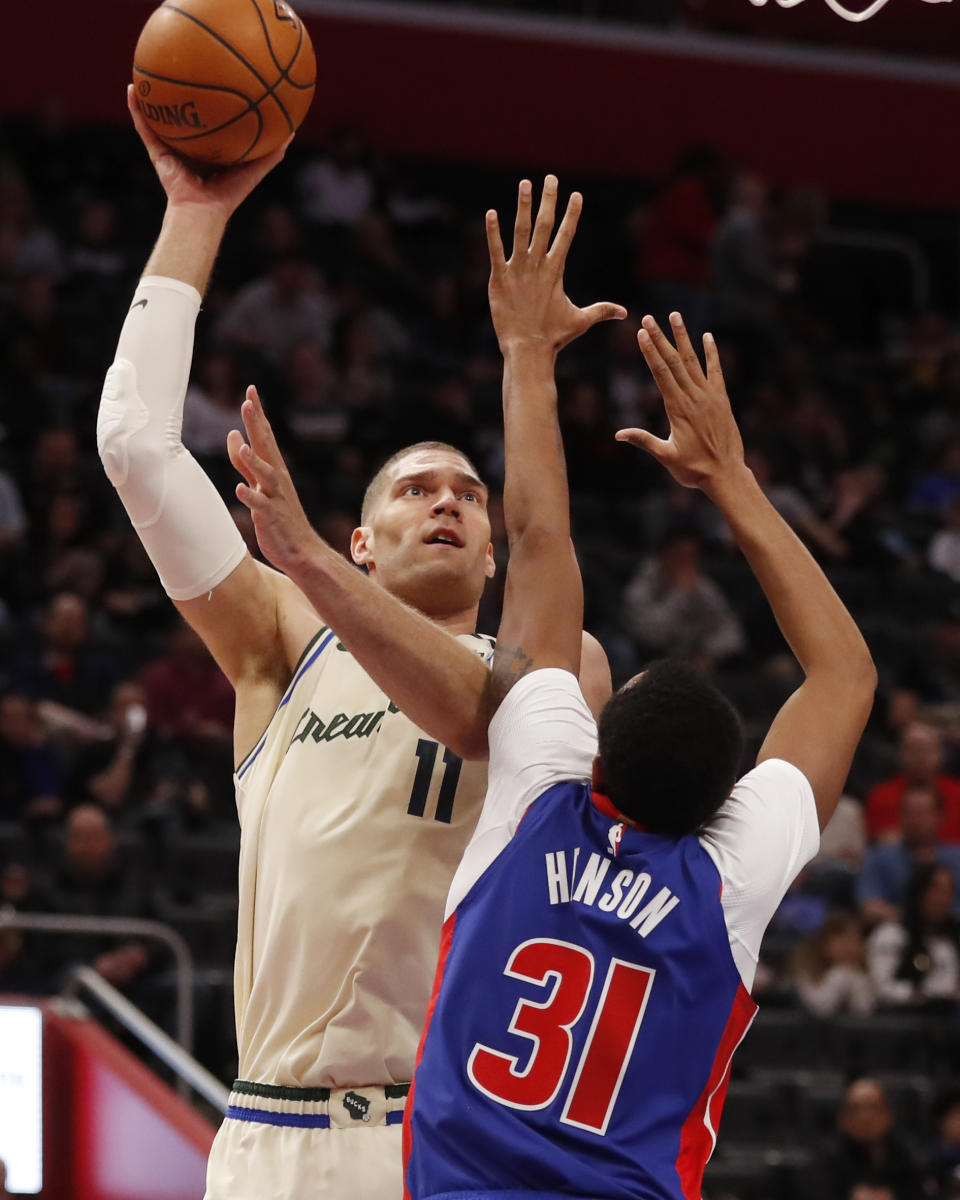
{"points": [[623, 894], [361, 725]]}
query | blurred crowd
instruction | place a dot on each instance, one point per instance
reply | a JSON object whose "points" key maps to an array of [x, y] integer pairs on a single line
{"points": [[352, 291]]}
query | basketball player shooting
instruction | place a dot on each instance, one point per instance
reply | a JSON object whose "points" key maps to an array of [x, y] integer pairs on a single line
{"points": [[602, 931], [354, 801]]}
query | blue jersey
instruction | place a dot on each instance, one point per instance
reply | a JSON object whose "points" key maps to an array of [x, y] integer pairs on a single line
{"points": [[586, 1010]]}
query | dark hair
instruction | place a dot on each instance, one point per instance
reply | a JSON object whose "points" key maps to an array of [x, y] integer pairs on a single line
{"points": [[670, 748], [915, 958]]}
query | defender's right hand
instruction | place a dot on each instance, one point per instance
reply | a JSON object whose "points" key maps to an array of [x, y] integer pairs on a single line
{"points": [[222, 191], [704, 447]]}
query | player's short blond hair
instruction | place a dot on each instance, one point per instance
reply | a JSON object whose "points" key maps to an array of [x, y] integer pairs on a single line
{"points": [[376, 486]]}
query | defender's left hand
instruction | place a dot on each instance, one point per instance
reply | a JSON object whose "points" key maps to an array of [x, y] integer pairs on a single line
{"points": [[527, 300], [283, 531]]}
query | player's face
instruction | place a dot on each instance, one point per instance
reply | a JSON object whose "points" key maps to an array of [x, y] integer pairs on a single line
{"points": [[428, 540]]}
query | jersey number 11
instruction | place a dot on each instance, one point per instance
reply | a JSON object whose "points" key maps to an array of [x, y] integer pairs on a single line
{"points": [[427, 754]]}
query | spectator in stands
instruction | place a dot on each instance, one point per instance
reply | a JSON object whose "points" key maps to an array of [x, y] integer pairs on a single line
{"points": [[13, 519], [867, 1147], [212, 406], [24, 957], [187, 694], [679, 230], [943, 553], [865, 1190], [64, 664], [592, 454], [94, 880], [882, 887], [114, 770], [935, 491], [843, 843], [336, 188], [945, 1155], [25, 244], [190, 702], [57, 464], [794, 507], [921, 765], [287, 305], [744, 275], [673, 609], [829, 970], [916, 961], [31, 769], [316, 415]]}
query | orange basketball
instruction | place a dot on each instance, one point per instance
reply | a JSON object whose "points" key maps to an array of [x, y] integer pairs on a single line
{"points": [[224, 81]]}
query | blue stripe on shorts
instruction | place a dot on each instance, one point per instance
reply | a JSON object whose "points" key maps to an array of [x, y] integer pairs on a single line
{"points": [[266, 1117]]}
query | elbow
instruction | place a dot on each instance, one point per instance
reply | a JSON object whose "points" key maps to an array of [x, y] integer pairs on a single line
{"points": [[127, 443], [864, 669], [471, 743]]}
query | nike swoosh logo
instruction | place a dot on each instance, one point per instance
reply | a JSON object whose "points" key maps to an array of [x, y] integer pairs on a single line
{"points": [[139, 304]]}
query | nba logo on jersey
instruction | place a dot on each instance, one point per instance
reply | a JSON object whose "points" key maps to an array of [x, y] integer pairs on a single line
{"points": [[615, 836]]}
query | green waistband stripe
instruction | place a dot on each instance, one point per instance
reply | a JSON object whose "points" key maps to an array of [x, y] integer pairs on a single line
{"points": [[276, 1091], [396, 1091]]}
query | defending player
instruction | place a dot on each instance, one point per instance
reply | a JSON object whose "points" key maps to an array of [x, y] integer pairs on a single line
{"points": [[600, 943], [353, 818]]}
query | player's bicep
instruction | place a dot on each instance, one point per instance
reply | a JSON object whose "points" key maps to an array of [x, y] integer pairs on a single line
{"points": [[239, 621], [818, 730]]}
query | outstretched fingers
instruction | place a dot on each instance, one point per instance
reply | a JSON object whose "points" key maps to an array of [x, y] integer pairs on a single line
{"points": [[667, 354], [546, 216], [249, 493], [712, 356], [568, 227], [259, 430], [688, 356], [652, 350], [644, 440], [603, 310], [521, 228], [498, 259]]}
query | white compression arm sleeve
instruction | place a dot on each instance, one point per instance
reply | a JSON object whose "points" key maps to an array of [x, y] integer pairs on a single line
{"points": [[184, 525]]}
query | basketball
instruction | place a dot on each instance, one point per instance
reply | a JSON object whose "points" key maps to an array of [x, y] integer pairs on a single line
{"points": [[224, 81]]}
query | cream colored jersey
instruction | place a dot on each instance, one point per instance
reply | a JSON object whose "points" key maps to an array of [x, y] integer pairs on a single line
{"points": [[353, 822]]}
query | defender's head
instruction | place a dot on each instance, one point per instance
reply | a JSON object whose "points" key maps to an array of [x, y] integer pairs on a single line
{"points": [[425, 533], [670, 747]]}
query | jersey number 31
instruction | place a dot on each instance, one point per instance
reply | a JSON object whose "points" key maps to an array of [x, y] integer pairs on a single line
{"points": [[614, 1026]]}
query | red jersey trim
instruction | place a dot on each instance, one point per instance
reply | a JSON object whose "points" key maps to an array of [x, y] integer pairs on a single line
{"points": [[446, 939], [698, 1138]]}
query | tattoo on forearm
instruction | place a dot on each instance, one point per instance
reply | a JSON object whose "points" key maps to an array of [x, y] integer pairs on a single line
{"points": [[510, 664]]}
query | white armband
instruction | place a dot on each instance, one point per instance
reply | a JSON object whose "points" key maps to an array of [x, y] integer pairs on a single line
{"points": [[184, 525]]}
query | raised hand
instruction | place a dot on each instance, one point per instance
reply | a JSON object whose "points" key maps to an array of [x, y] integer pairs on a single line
{"points": [[224, 189], [283, 532], [704, 445], [527, 300]]}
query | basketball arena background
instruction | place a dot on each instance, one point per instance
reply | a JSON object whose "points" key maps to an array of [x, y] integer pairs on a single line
{"points": [[785, 177]]}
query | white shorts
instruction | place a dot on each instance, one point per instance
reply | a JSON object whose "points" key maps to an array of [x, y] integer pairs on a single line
{"points": [[282, 1143]]}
